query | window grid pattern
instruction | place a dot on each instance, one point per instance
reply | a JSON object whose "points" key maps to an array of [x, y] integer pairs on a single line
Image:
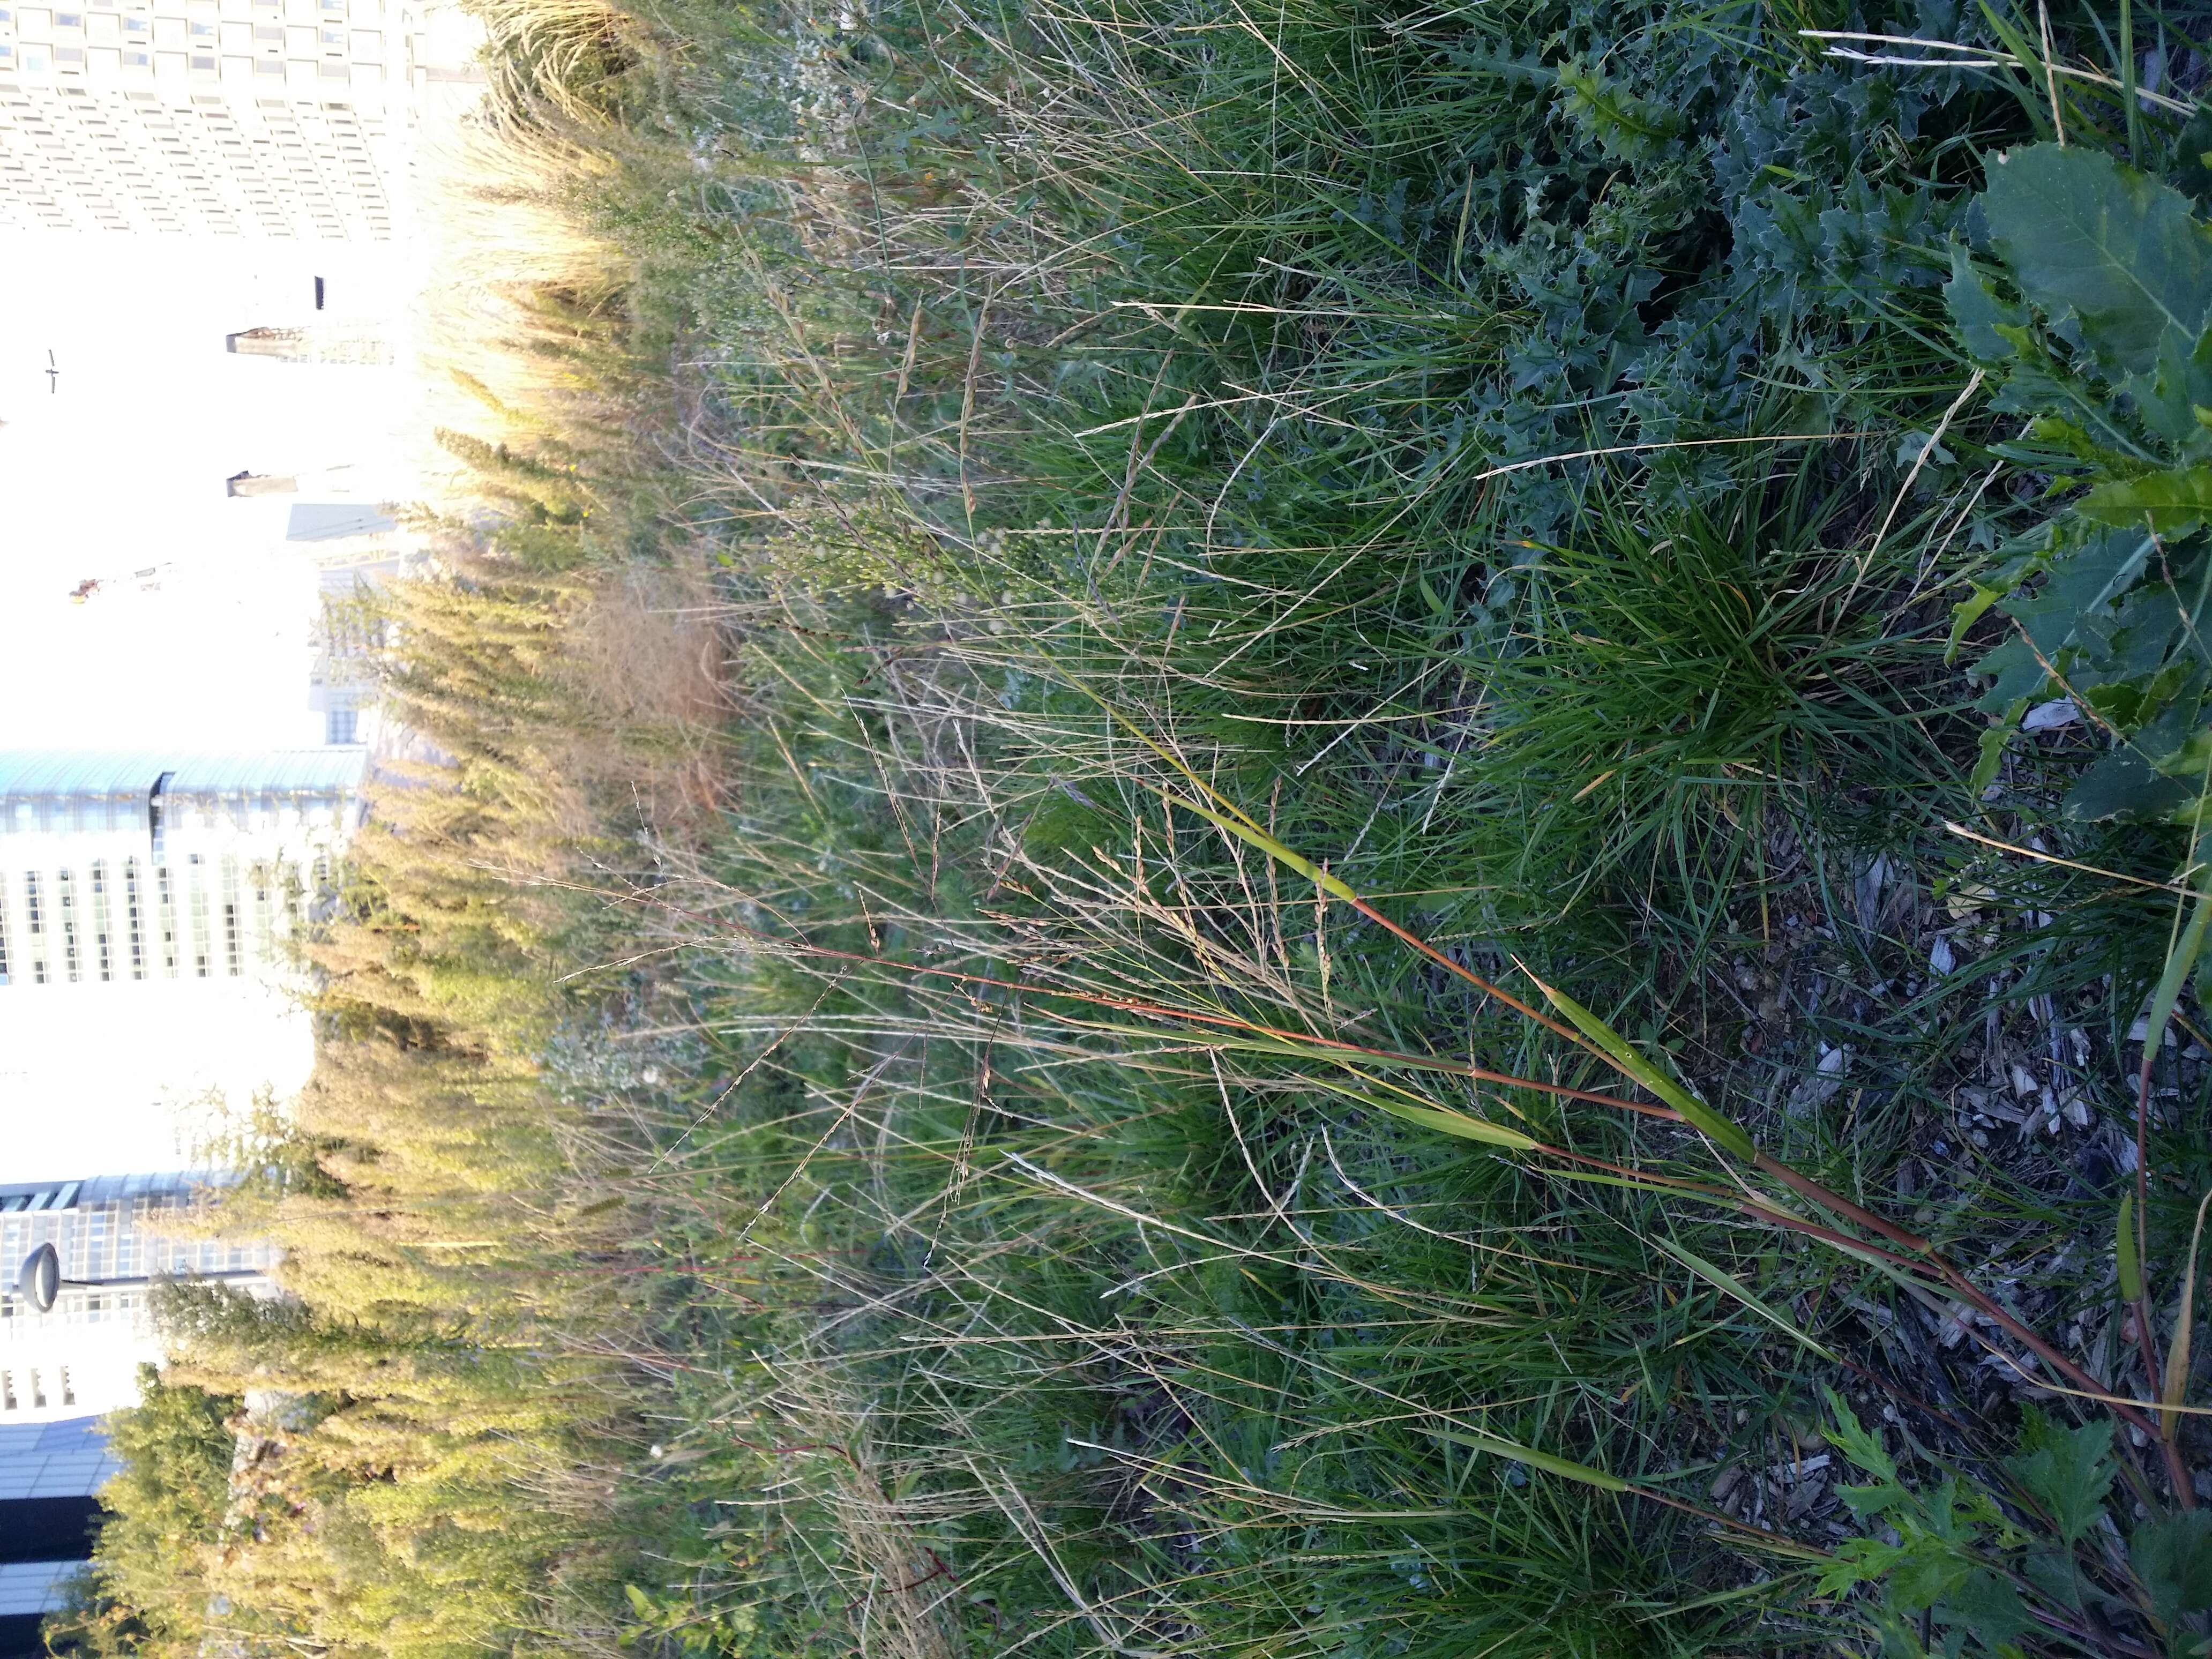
{"points": [[103, 954], [196, 899], [165, 890], [134, 921], [232, 946], [34, 918], [65, 912]]}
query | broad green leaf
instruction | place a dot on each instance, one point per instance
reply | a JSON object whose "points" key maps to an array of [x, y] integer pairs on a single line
{"points": [[1978, 312], [1497, 1447], [2174, 1559], [1987, 1605], [2123, 785], [2068, 1472], [1699, 1116], [2171, 503], [2082, 234], [1927, 1575]]}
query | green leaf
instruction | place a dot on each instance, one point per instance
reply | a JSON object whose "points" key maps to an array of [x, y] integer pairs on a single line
{"points": [[2124, 1251], [2082, 234], [1729, 1285], [2123, 785], [2068, 1472], [1857, 1561], [2171, 503], [1992, 744], [1464, 1124], [2178, 963], [1498, 1447], [1988, 1605], [1978, 312], [1927, 1575], [2174, 1559], [1699, 1116], [1864, 1449]]}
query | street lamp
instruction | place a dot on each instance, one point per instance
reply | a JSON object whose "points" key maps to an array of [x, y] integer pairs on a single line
{"points": [[40, 1282]]}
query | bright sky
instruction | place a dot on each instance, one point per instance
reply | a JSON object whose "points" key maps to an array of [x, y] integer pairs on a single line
{"points": [[116, 462]]}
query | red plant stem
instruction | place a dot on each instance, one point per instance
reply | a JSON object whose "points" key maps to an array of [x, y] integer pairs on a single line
{"points": [[1472, 977], [1228, 1022], [1933, 1262]]}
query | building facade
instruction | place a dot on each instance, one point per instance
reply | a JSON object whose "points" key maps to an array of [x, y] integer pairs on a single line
{"points": [[119, 1235], [63, 1369], [151, 873], [49, 1472], [281, 119], [145, 903]]}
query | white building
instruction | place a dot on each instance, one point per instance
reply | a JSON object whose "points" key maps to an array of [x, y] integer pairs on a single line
{"points": [[61, 1371], [82, 1358], [144, 903], [276, 119]]}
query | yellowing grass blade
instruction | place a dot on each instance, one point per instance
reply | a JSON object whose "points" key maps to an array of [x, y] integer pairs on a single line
{"points": [[1250, 833], [1441, 1119], [2177, 1353]]}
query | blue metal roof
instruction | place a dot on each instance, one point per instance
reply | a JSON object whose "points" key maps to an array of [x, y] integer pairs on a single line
{"points": [[336, 768]]}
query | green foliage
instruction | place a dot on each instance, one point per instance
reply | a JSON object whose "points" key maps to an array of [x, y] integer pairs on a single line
{"points": [[150, 1584], [2024, 1557], [1156, 480], [2111, 357]]}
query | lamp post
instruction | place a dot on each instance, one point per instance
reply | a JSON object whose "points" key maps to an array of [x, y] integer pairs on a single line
{"points": [[39, 1281]]}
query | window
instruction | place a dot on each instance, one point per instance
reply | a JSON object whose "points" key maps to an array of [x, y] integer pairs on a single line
{"points": [[65, 904], [264, 906], [198, 899], [102, 956], [340, 725], [202, 29], [233, 954], [34, 917], [5, 964], [68, 19], [166, 900], [8, 1391], [133, 920], [38, 1390]]}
